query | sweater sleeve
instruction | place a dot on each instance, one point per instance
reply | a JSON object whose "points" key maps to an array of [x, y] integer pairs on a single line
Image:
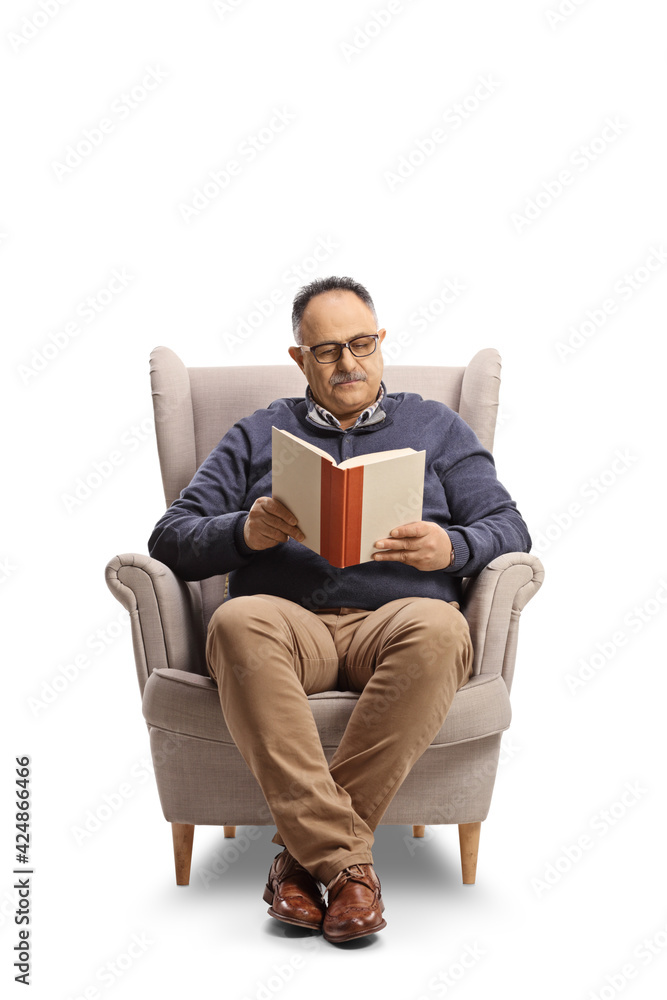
{"points": [[201, 534], [485, 522]]}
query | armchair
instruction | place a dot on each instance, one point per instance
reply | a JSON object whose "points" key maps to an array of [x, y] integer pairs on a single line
{"points": [[200, 774]]}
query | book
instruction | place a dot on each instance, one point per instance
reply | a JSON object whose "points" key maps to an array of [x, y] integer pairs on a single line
{"points": [[344, 509]]}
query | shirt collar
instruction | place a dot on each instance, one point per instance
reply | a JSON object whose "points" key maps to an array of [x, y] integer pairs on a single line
{"points": [[373, 414]]}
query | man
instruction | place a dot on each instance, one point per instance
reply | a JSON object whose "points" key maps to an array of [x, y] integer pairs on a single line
{"points": [[389, 628]]}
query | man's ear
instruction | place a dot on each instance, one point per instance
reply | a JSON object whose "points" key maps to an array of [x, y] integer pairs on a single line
{"points": [[382, 333], [297, 355]]}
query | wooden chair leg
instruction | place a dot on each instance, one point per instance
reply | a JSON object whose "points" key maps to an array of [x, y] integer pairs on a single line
{"points": [[469, 843], [418, 831], [182, 834], [230, 831]]}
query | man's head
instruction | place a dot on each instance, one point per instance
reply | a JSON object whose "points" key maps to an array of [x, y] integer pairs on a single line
{"points": [[336, 311]]}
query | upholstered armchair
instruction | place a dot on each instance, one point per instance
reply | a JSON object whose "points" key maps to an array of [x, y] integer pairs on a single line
{"points": [[200, 774]]}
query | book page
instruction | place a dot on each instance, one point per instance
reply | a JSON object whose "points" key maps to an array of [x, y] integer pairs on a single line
{"points": [[304, 444], [375, 456], [296, 472], [393, 495]]}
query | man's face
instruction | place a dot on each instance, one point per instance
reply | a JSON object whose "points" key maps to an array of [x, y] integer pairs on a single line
{"points": [[349, 385]]}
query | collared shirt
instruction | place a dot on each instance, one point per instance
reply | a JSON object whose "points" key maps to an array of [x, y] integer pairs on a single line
{"points": [[373, 414]]}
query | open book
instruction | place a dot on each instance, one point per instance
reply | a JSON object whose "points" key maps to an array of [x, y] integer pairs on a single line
{"points": [[344, 509]]}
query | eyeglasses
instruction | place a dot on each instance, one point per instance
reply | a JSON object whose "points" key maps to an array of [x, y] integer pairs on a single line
{"points": [[360, 347]]}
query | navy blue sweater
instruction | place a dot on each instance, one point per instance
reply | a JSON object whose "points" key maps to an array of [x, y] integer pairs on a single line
{"points": [[201, 533]]}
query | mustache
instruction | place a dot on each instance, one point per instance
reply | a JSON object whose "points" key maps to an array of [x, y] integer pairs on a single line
{"points": [[338, 377]]}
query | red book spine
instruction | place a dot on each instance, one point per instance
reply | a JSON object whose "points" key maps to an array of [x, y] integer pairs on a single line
{"points": [[354, 497], [340, 514]]}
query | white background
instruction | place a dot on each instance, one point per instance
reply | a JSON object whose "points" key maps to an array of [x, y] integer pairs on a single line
{"points": [[360, 98]]}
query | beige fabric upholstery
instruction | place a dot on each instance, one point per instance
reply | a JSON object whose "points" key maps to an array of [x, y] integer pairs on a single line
{"points": [[167, 627], [200, 774], [189, 704], [200, 781], [492, 605]]}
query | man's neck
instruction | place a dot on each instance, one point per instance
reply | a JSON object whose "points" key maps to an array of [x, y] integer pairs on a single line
{"points": [[346, 421]]}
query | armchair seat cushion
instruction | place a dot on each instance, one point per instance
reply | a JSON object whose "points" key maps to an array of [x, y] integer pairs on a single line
{"points": [[188, 704]]}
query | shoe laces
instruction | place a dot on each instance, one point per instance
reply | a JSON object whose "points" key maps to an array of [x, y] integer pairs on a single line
{"points": [[354, 873]]}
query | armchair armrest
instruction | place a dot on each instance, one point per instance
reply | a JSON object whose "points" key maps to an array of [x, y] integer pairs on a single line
{"points": [[492, 604], [165, 613]]}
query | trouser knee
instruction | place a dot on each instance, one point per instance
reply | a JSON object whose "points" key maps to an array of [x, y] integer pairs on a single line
{"points": [[439, 635], [242, 636]]}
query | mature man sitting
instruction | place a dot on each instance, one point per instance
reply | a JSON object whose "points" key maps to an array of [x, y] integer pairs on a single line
{"points": [[392, 628]]}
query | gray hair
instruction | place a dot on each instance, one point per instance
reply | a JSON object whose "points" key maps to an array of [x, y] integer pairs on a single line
{"points": [[317, 287]]}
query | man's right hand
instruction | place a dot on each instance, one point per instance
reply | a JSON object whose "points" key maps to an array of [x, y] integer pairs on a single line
{"points": [[268, 523]]}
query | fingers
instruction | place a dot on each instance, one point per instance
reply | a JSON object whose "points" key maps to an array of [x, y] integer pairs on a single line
{"points": [[398, 549], [400, 537], [422, 544], [268, 534], [276, 508], [415, 529], [276, 517], [268, 523], [396, 543], [408, 536], [400, 555]]}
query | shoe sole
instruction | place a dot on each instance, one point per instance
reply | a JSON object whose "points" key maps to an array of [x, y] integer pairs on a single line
{"points": [[267, 896]]}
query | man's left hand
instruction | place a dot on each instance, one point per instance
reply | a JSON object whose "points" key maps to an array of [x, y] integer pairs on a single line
{"points": [[422, 544]]}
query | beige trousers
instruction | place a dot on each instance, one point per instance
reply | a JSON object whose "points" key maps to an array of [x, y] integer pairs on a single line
{"points": [[408, 659]]}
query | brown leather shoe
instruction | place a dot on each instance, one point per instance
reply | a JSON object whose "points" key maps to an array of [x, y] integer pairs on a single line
{"points": [[293, 893], [355, 905]]}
